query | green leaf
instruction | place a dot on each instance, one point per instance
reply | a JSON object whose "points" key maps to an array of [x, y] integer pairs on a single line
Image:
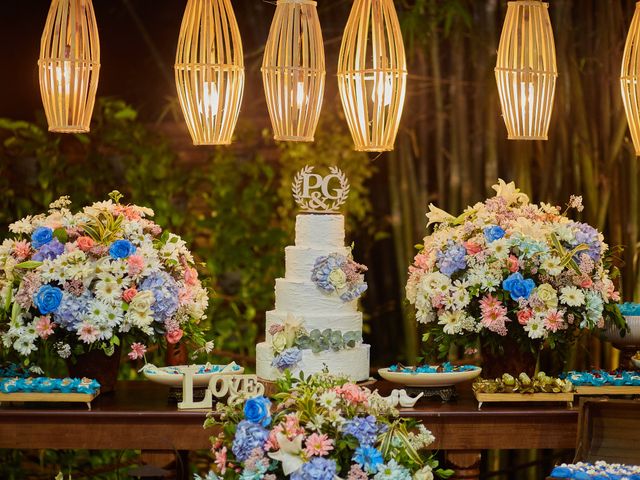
{"points": [[29, 265], [61, 235]]}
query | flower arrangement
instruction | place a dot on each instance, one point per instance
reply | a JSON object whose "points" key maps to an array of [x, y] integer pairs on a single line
{"points": [[338, 274], [320, 428], [82, 281], [510, 267], [290, 338]]}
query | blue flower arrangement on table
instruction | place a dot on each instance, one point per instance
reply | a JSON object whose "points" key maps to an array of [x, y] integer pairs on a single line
{"points": [[508, 269], [319, 428], [84, 281]]}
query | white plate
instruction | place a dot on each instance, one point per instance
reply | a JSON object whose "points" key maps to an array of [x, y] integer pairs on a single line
{"points": [[173, 376], [429, 379]]}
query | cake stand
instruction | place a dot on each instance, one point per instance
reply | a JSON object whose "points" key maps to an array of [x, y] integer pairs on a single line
{"points": [[629, 344]]}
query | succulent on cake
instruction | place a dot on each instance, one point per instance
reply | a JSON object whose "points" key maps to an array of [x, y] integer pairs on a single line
{"points": [[288, 340], [339, 274], [320, 428], [508, 267], [86, 280]]}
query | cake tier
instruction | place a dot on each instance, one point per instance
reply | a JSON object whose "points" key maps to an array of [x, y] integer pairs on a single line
{"points": [[305, 298], [299, 261], [321, 231], [346, 322], [352, 362]]}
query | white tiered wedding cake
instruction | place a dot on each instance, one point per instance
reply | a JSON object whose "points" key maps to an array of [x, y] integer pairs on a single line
{"points": [[316, 323]]}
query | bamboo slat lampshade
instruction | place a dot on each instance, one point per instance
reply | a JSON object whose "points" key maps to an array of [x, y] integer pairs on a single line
{"points": [[526, 70], [69, 65], [293, 70], [209, 71], [630, 79], [372, 74]]}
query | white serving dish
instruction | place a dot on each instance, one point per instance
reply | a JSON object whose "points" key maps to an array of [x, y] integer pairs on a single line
{"points": [[172, 376], [429, 379], [631, 338]]}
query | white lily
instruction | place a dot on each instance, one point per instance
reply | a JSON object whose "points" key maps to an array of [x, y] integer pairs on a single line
{"points": [[289, 453], [437, 215], [509, 192]]}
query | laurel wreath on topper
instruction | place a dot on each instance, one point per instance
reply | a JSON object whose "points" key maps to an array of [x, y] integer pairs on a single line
{"points": [[313, 193]]}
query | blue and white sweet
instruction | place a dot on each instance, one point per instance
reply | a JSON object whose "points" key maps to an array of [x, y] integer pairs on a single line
{"points": [[598, 378], [49, 385], [598, 470]]}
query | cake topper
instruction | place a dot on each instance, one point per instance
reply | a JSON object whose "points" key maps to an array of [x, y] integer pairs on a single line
{"points": [[320, 194]]}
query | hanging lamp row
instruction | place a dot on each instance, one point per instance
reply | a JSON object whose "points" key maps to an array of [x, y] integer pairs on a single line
{"points": [[372, 71], [209, 70]]}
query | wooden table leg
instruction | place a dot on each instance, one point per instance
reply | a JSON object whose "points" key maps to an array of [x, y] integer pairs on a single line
{"points": [[466, 463]]}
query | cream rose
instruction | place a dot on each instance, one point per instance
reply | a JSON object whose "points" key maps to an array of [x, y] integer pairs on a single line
{"points": [[142, 302], [338, 278], [424, 473], [548, 295], [279, 342]]}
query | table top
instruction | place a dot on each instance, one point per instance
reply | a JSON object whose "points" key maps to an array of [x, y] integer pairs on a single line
{"points": [[138, 415]]}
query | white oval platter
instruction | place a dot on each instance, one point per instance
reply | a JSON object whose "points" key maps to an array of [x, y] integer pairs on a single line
{"points": [[173, 376], [442, 379]]}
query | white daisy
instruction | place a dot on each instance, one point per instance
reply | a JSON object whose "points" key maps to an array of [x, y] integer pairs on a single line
{"points": [[535, 327], [572, 296]]}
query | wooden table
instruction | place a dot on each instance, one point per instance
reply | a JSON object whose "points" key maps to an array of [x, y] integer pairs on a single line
{"points": [[138, 416]]}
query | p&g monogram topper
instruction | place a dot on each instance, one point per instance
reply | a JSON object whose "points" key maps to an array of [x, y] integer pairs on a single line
{"points": [[317, 194]]}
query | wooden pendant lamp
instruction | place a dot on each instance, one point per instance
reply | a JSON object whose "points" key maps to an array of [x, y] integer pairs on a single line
{"points": [[209, 71], [372, 74], [630, 79], [293, 70], [526, 70], [69, 65]]}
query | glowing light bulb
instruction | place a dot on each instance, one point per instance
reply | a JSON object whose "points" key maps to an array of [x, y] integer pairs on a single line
{"points": [[300, 96], [63, 78], [210, 98], [383, 89], [526, 99]]}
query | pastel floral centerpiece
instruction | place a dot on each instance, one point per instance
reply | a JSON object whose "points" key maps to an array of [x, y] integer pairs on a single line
{"points": [[321, 428], [507, 270], [86, 281], [339, 275]]}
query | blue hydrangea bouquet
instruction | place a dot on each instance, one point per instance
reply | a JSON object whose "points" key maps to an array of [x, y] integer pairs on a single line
{"points": [[507, 269], [84, 281], [321, 428]]}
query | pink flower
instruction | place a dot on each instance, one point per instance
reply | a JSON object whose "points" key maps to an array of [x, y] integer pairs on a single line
{"points": [[137, 351], [554, 320], [85, 243], [524, 316], [221, 460], [129, 294], [513, 264], [87, 332], [421, 261], [190, 276], [135, 264], [472, 248], [272, 441], [185, 296], [586, 282], [489, 302], [352, 393], [129, 212], [44, 327], [275, 328], [319, 445], [356, 473], [292, 426], [99, 250], [21, 250], [174, 336]]}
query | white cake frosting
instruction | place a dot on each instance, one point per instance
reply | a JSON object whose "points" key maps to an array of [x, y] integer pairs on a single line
{"points": [[298, 297]]}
